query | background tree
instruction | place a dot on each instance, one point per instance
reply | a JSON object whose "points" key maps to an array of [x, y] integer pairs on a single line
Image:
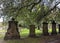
{"points": [[29, 11]]}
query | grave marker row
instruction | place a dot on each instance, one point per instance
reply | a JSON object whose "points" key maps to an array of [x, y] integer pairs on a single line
{"points": [[13, 33]]}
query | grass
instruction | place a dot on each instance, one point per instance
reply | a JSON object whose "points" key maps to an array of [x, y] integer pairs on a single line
{"points": [[24, 33], [50, 30]]}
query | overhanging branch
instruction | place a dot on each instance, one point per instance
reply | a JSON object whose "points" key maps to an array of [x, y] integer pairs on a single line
{"points": [[33, 4], [39, 18]]}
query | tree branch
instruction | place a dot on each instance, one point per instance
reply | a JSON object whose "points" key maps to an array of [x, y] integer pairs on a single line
{"points": [[35, 4], [39, 18], [28, 6]]}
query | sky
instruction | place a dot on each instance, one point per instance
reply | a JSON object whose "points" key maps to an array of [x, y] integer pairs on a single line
{"points": [[1, 19]]}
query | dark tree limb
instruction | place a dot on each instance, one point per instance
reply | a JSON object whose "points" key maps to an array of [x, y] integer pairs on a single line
{"points": [[33, 4], [39, 18]]}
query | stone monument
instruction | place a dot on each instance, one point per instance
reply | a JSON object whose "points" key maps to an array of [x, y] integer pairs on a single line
{"points": [[54, 28], [12, 31], [59, 27], [45, 28], [32, 31]]}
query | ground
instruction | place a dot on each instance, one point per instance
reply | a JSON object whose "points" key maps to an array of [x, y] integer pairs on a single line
{"points": [[41, 39], [24, 39]]}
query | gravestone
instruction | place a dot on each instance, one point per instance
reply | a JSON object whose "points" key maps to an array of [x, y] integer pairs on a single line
{"points": [[38, 27], [59, 28], [54, 28], [12, 31], [45, 28], [32, 31]]}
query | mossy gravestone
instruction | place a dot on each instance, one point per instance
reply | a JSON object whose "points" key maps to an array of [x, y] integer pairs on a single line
{"points": [[59, 28], [53, 28], [12, 31], [45, 28], [32, 31]]}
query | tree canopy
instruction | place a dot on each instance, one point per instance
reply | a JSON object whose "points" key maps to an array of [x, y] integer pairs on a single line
{"points": [[29, 11]]}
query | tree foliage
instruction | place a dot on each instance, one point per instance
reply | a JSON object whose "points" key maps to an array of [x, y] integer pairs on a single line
{"points": [[28, 11]]}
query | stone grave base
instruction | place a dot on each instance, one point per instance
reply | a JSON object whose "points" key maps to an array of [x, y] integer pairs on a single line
{"points": [[11, 35]]}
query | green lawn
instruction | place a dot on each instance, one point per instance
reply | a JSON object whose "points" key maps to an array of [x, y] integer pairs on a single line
{"points": [[24, 33]]}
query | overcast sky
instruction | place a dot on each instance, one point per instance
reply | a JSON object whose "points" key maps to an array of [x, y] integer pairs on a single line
{"points": [[48, 3], [1, 19]]}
